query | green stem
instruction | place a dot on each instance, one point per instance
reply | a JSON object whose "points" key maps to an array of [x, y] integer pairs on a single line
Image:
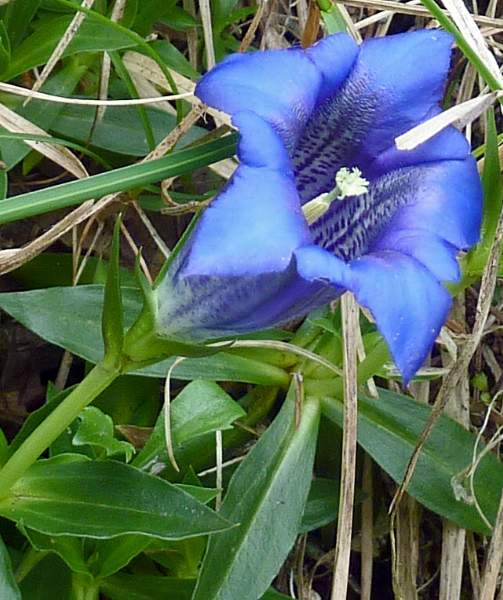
{"points": [[98, 379], [29, 561], [84, 587], [375, 359]]}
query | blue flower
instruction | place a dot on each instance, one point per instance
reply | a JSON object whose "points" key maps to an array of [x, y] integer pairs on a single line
{"points": [[253, 261]]}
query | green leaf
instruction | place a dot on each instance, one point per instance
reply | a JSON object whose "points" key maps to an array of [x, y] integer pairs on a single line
{"points": [[4, 447], [112, 322], [201, 407], [70, 316], [68, 548], [92, 36], [266, 496], [146, 587], [103, 500], [174, 58], [119, 180], [52, 269], [42, 114], [114, 554], [120, 131], [149, 587], [322, 504], [475, 261], [8, 586], [97, 429], [333, 20], [50, 579], [17, 19], [122, 72], [389, 428], [4, 48]]}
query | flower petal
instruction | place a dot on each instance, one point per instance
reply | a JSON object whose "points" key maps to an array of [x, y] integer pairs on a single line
{"points": [[407, 72], [279, 85], [443, 199], [407, 302], [334, 57], [396, 82], [437, 255], [253, 225], [449, 144], [203, 307]]}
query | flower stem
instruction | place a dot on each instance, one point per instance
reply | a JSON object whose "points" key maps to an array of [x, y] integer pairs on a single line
{"points": [[371, 364], [98, 379]]}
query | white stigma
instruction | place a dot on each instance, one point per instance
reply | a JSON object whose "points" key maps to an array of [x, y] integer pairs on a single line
{"points": [[347, 183], [350, 183]]}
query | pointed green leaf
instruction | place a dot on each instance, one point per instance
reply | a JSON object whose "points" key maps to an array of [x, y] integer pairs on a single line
{"points": [[112, 324], [266, 496], [389, 428], [201, 407], [103, 500]]}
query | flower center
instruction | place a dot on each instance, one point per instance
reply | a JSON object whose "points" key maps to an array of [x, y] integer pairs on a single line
{"points": [[347, 183]]}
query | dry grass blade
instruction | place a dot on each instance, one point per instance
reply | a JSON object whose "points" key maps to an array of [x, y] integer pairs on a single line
{"points": [[367, 535], [21, 91], [12, 259], [175, 134], [459, 116], [408, 9], [453, 537], [63, 44], [60, 155], [494, 559], [487, 287], [138, 64], [204, 7], [473, 564], [465, 23], [404, 535], [346, 502], [252, 29], [106, 65], [167, 413]]}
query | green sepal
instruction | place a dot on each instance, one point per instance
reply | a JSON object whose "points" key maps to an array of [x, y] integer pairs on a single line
{"points": [[143, 345], [112, 319]]}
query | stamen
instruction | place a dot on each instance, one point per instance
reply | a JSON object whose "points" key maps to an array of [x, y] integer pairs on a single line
{"points": [[347, 183]]}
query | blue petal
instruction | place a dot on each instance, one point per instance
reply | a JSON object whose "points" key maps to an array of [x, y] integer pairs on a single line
{"points": [[279, 85], [194, 307], [396, 82], [334, 56], [437, 255], [408, 304], [445, 200], [408, 74], [253, 225], [449, 144]]}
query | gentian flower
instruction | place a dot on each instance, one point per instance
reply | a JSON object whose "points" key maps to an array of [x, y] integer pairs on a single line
{"points": [[307, 117]]}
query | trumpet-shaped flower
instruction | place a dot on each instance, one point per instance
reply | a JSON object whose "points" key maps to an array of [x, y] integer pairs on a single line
{"points": [[312, 121]]}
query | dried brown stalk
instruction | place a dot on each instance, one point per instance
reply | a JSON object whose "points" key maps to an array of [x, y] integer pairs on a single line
{"points": [[349, 443]]}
